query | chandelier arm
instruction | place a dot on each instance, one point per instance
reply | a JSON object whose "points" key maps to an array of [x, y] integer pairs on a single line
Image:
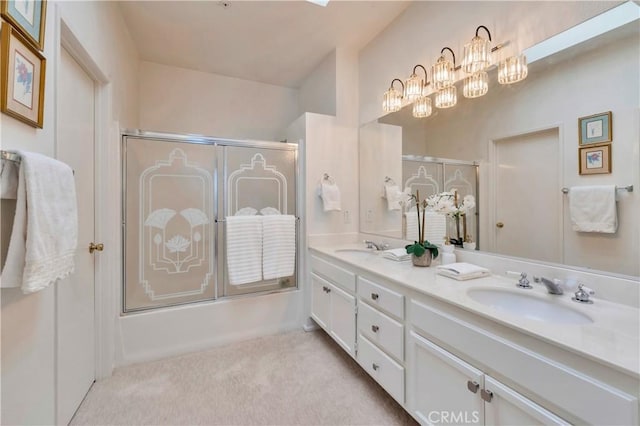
{"points": [[452, 54], [398, 80], [486, 29], [426, 77]]}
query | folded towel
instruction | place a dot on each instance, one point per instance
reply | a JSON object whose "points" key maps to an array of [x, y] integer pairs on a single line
{"points": [[330, 194], [398, 254], [246, 211], [411, 226], [9, 180], [394, 196], [44, 237], [279, 246], [244, 249], [267, 211], [462, 271], [593, 208]]}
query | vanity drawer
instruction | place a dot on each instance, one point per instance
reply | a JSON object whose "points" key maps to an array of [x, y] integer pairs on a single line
{"points": [[382, 368], [381, 297], [380, 329], [586, 398], [336, 274]]}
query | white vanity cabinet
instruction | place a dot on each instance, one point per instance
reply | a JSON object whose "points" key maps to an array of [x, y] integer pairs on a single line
{"points": [[333, 302], [442, 388], [381, 335]]}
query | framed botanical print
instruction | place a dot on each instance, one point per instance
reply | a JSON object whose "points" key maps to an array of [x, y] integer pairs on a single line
{"points": [[23, 77], [595, 128], [28, 17], [595, 159]]}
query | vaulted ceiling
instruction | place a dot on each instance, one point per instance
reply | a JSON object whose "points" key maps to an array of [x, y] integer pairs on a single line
{"points": [[275, 42]]}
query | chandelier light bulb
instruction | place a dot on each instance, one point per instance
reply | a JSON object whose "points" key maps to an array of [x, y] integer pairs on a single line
{"points": [[446, 98], [513, 70], [476, 85], [422, 107]]}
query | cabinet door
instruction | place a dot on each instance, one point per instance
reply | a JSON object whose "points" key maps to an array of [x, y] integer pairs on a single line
{"points": [[507, 407], [441, 388], [343, 319], [320, 298]]}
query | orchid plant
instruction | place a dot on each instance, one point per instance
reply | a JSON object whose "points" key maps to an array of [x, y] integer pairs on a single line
{"points": [[418, 248], [447, 203]]}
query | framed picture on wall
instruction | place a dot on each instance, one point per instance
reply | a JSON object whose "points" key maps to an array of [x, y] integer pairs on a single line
{"points": [[595, 128], [28, 17], [595, 159], [23, 72]]}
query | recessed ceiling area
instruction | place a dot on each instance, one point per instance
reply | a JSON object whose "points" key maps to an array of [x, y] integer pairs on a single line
{"points": [[274, 42]]}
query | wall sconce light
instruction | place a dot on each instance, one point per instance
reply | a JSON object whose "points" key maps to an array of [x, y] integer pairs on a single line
{"points": [[392, 99], [443, 71], [446, 98], [414, 86], [477, 53], [422, 107], [476, 85], [513, 69]]}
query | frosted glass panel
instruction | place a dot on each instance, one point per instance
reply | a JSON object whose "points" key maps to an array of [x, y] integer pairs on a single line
{"points": [[169, 223]]}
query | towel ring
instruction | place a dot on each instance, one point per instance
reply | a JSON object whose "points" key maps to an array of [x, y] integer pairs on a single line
{"points": [[328, 178]]}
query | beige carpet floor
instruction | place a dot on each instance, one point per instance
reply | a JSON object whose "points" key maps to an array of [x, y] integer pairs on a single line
{"points": [[295, 378]]}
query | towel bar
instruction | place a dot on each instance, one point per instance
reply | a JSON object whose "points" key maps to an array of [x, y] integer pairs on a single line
{"points": [[224, 220], [15, 157], [628, 188]]}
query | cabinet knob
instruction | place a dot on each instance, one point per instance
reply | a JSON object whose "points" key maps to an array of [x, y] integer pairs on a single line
{"points": [[374, 296], [95, 247], [375, 366], [472, 386], [326, 289], [375, 328], [500, 225], [486, 395]]}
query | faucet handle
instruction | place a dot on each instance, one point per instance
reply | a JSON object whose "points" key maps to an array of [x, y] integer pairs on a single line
{"points": [[583, 293], [523, 282]]}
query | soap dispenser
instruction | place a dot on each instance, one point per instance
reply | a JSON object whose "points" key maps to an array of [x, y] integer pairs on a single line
{"points": [[448, 256]]}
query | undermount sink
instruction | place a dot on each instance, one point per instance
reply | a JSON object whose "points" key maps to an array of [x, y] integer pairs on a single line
{"points": [[360, 252], [528, 306]]}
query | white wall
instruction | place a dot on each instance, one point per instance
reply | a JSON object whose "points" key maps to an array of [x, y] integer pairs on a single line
{"points": [[28, 322], [179, 100], [424, 28], [317, 92]]}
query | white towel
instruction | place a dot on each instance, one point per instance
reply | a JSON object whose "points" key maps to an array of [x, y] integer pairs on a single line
{"points": [[593, 208], [394, 196], [45, 228], [436, 227], [462, 271], [244, 249], [278, 246], [330, 194], [411, 226], [9, 180], [398, 254]]}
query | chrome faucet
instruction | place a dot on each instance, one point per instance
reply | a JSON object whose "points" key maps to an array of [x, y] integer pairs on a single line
{"points": [[372, 245], [553, 286]]}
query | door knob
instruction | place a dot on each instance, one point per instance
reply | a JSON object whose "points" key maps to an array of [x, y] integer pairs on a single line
{"points": [[500, 225], [95, 247]]}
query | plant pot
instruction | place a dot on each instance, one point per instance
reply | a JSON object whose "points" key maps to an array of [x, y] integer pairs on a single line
{"points": [[424, 260]]}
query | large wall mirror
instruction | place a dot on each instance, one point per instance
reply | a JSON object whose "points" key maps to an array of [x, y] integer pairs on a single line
{"points": [[522, 144]]}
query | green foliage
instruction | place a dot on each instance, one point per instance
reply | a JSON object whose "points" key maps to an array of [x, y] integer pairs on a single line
{"points": [[418, 249]]}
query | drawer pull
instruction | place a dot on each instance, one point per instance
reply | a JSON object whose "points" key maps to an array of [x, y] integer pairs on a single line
{"points": [[375, 328], [374, 296], [326, 289], [472, 386], [375, 366], [486, 395]]}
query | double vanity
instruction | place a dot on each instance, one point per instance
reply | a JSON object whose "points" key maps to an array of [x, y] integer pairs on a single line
{"points": [[482, 351]]}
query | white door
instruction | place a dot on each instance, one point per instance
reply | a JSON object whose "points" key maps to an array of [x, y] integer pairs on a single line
{"points": [[508, 407], [528, 191], [75, 295], [343, 319], [441, 388], [320, 301]]}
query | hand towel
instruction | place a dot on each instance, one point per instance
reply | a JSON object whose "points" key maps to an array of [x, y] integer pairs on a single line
{"points": [[45, 228], [278, 246], [593, 208], [462, 271], [330, 194], [436, 227], [411, 226], [268, 211], [394, 196], [9, 180], [244, 249], [398, 254]]}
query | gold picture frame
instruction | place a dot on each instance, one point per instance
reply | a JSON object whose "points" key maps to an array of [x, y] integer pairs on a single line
{"points": [[595, 129], [23, 78], [28, 17], [594, 159]]}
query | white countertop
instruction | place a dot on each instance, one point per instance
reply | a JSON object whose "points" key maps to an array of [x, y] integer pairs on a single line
{"points": [[612, 339]]}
